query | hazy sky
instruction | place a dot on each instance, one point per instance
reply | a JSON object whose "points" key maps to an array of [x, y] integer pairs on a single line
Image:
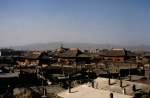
{"points": [[122, 22]]}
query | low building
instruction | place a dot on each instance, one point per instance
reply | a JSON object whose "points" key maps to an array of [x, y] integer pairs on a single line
{"points": [[114, 55], [73, 56], [29, 58], [44, 59]]}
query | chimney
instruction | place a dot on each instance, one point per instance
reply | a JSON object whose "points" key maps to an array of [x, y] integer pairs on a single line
{"points": [[111, 95]]}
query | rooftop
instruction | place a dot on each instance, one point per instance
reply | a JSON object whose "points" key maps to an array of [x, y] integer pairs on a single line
{"points": [[113, 52]]}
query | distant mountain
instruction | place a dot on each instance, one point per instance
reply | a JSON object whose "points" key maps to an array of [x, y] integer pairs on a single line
{"points": [[37, 46], [55, 45]]}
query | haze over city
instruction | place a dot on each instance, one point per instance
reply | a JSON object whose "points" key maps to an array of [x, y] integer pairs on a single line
{"points": [[74, 49], [119, 22]]}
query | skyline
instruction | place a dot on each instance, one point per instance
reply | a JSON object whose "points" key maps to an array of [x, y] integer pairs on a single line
{"points": [[119, 22]]}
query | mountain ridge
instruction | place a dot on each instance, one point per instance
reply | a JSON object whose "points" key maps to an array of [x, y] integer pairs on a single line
{"points": [[55, 45]]}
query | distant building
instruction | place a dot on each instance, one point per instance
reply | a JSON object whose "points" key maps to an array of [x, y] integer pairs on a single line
{"points": [[147, 71], [6, 52], [45, 59], [131, 56], [72, 56], [94, 50], [119, 49], [143, 57], [29, 58], [114, 55]]}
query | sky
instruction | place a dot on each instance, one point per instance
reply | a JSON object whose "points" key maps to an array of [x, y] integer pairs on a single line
{"points": [[119, 22]]}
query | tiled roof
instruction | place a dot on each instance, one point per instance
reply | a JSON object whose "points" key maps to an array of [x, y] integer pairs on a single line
{"points": [[68, 53], [83, 55], [72, 54], [113, 53], [31, 55]]}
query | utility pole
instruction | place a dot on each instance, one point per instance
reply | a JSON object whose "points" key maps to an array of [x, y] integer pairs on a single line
{"points": [[130, 71], [69, 84], [120, 79], [109, 78], [108, 72], [43, 86]]}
